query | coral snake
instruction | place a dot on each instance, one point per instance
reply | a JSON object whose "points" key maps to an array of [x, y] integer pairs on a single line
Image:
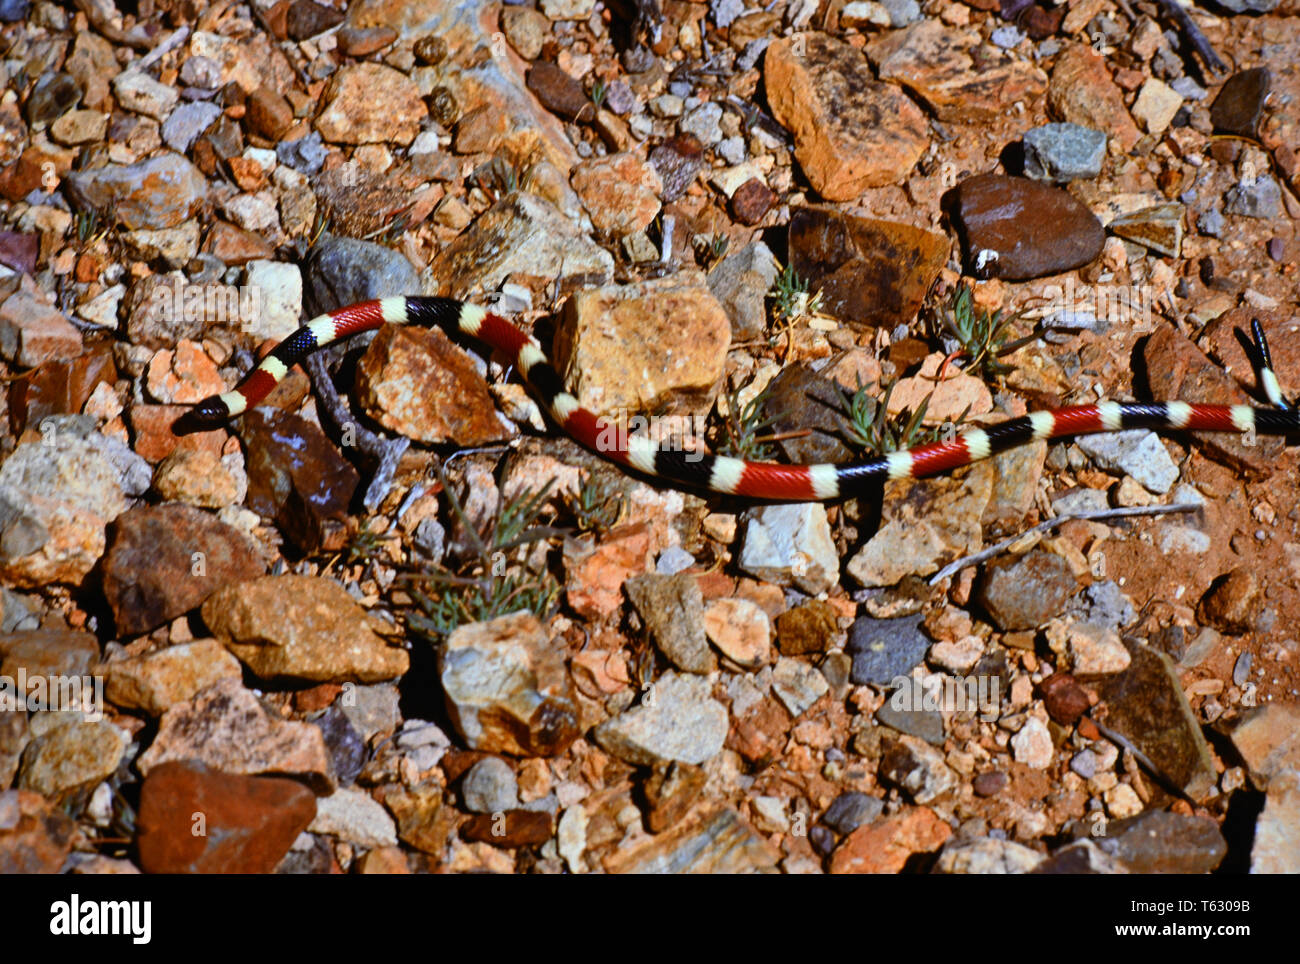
{"points": [[758, 480]]}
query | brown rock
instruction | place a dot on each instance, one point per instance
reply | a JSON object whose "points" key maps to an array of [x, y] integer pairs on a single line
{"points": [[303, 628], [1082, 92], [160, 192], [35, 837], [559, 93], [48, 652], [594, 582], [869, 272], [195, 820], [362, 43], [935, 62], [619, 191], [157, 681], [33, 332], [609, 347], [671, 790], [369, 103], [268, 113], [423, 821], [1177, 369], [751, 201], [417, 383], [851, 132], [1232, 604], [885, 846], [165, 560], [225, 727], [511, 828], [678, 161], [297, 477], [1064, 699], [808, 628], [383, 860], [59, 387], [1016, 228], [716, 842]]}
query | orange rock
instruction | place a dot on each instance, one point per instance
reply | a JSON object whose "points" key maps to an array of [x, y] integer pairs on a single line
{"points": [[883, 847]]}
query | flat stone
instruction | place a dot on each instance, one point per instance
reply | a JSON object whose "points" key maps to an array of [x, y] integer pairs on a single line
{"points": [[164, 561], [934, 61], [1259, 197], [676, 721], [1017, 229], [157, 681], [791, 545], [72, 755], [1159, 228], [716, 842], [247, 824], [884, 846], [986, 855], [672, 608], [1159, 842], [354, 816], [1237, 108], [416, 382], [619, 191], [1081, 91], [851, 133], [523, 235], [1156, 105], [160, 192], [48, 653], [868, 272], [1064, 152], [797, 685], [609, 346], [225, 727], [740, 282], [884, 649], [1025, 592], [740, 630], [370, 103], [1147, 705], [33, 332]]}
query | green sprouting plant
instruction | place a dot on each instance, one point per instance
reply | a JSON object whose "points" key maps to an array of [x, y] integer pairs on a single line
{"points": [[743, 427], [365, 544], [981, 334], [496, 178], [87, 224], [598, 91], [790, 292], [598, 505], [873, 431], [490, 583]]}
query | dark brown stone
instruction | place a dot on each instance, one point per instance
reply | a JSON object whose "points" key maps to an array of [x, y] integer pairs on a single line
{"points": [[558, 92], [751, 201], [1064, 699], [297, 477], [868, 272], [194, 820], [48, 652], [234, 246], [306, 19], [678, 161], [1017, 229], [1240, 103], [1232, 604], [163, 561], [809, 628], [58, 387], [511, 828], [268, 113]]}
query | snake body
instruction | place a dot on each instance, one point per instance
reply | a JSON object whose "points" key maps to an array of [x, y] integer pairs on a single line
{"points": [[720, 473]]}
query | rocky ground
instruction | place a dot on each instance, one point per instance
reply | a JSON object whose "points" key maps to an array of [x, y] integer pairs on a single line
{"points": [[326, 645]]}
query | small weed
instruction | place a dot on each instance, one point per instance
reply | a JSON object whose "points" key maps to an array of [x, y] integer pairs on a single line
{"points": [[981, 334], [490, 583], [743, 427], [598, 506], [599, 90], [873, 431]]}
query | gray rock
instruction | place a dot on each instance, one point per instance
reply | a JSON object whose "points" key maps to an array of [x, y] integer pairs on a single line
{"points": [[1107, 605], [673, 560], [851, 810], [1084, 763], [1250, 6], [986, 855], [922, 723], [1063, 152], [1188, 89], [1161, 842], [343, 271], [725, 12], [704, 122], [902, 12], [791, 545], [183, 127], [917, 768], [354, 816], [1138, 452], [306, 155], [797, 685], [883, 649], [1260, 198], [1007, 37], [672, 608], [371, 709], [677, 720], [1210, 223], [489, 786], [740, 282], [1025, 592], [732, 149]]}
